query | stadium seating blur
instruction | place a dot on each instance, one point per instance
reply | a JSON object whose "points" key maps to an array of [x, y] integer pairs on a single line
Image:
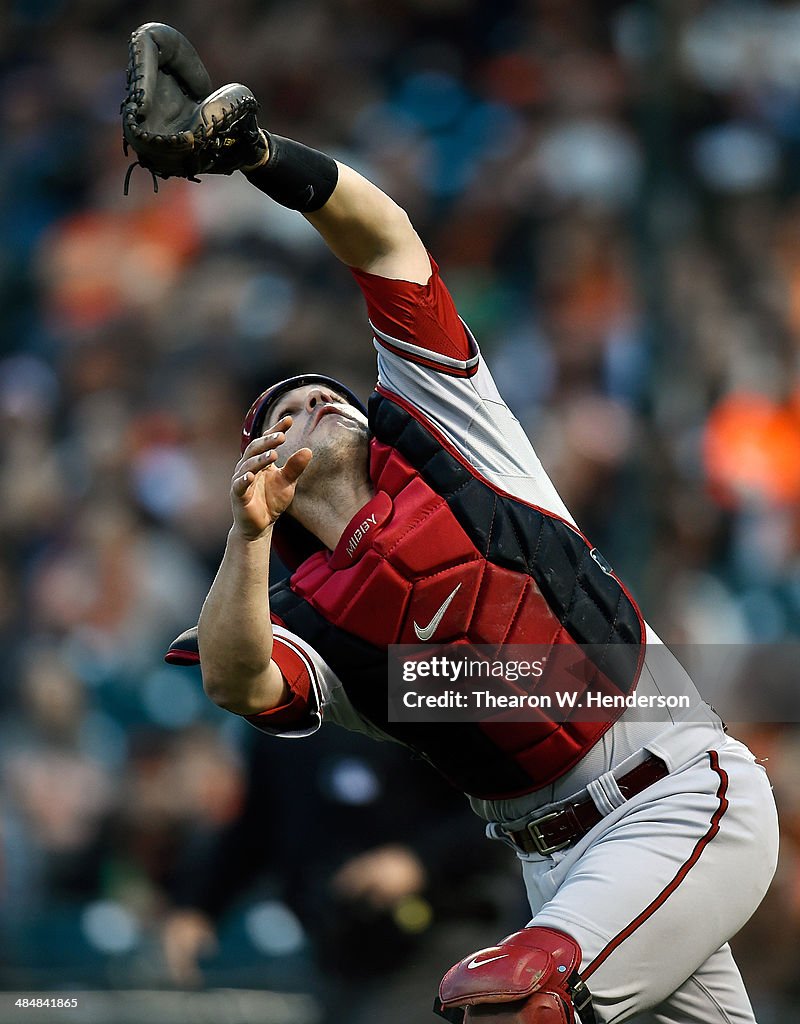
{"points": [[612, 191]]}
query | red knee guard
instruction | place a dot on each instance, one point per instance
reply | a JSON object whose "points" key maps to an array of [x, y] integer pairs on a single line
{"points": [[528, 978]]}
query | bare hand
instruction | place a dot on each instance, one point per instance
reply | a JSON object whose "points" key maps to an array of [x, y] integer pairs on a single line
{"points": [[382, 876], [186, 936], [260, 491]]}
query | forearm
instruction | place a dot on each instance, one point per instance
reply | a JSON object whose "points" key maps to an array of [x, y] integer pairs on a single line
{"points": [[235, 631], [366, 229], [361, 225]]}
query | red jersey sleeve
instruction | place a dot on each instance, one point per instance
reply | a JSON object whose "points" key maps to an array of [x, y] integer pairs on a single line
{"points": [[419, 322], [296, 670]]}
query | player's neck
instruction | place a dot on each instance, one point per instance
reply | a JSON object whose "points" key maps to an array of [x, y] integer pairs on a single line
{"points": [[331, 509]]}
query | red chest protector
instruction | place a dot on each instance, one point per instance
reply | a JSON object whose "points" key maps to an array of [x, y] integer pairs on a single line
{"points": [[524, 576]]}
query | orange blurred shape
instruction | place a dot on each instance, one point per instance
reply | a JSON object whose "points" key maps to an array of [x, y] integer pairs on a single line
{"points": [[751, 450], [515, 79], [98, 263]]}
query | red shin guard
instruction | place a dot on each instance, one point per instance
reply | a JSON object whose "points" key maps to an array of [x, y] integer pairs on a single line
{"points": [[528, 978]]}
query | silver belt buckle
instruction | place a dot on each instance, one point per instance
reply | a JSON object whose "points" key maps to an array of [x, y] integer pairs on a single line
{"points": [[539, 841]]}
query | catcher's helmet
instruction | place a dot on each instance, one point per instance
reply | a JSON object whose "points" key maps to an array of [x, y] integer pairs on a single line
{"points": [[255, 418], [293, 542]]}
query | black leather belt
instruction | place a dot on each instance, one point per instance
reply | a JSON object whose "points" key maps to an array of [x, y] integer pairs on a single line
{"points": [[570, 822]]}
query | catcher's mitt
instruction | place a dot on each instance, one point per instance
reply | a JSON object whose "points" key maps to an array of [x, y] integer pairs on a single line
{"points": [[171, 118]]}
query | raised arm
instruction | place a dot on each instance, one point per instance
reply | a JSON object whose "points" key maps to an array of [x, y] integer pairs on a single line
{"points": [[178, 125], [235, 632], [367, 230], [361, 225]]}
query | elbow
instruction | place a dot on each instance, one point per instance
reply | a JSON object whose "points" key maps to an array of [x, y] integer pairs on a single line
{"points": [[241, 694], [231, 682], [227, 691], [236, 703], [217, 689]]}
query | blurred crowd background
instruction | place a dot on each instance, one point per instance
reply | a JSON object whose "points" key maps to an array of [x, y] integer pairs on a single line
{"points": [[612, 191]]}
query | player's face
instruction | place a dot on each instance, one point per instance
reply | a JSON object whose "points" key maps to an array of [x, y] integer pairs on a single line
{"points": [[334, 430], [318, 412]]}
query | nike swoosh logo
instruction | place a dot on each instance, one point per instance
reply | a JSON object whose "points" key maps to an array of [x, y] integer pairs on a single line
{"points": [[479, 963], [426, 632]]}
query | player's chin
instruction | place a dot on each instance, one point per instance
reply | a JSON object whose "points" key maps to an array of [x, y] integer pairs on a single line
{"points": [[334, 449], [339, 432]]}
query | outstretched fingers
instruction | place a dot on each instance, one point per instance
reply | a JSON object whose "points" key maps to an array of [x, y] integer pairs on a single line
{"points": [[259, 455], [248, 468], [296, 465], [241, 484]]}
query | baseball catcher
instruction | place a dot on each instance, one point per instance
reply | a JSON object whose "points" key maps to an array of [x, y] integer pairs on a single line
{"points": [[427, 518]]}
